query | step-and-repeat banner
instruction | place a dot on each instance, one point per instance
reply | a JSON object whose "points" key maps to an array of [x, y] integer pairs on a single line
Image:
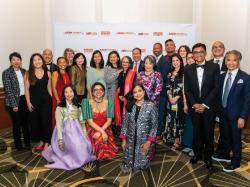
{"points": [[86, 38]]}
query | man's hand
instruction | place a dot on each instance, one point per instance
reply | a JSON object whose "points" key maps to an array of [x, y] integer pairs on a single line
{"points": [[241, 123]]}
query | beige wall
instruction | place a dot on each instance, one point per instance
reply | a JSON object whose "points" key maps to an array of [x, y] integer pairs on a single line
{"points": [[27, 25]]}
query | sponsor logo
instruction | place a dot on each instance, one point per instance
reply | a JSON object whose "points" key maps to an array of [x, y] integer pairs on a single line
{"points": [[125, 33], [142, 33], [178, 34], [91, 33], [105, 33], [88, 50], [157, 33]]}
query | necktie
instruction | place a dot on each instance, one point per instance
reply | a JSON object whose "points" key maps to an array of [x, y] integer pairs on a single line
{"points": [[135, 66], [226, 90]]}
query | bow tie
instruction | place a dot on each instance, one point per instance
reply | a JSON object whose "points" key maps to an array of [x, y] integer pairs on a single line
{"points": [[200, 66]]}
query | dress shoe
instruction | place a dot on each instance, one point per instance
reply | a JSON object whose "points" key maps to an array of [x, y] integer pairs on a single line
{"points": [[230, 168], [219, 158], [195, 159], [209, 164]]}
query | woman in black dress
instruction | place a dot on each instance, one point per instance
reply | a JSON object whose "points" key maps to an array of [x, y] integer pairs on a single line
{"points": [[38, 96]]}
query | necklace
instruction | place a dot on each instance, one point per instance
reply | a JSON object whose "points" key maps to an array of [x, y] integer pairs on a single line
{"points": [[98, 100]]}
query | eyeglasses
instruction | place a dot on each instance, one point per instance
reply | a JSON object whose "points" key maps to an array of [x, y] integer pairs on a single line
{"points": [[100, 90], [198, 52]]}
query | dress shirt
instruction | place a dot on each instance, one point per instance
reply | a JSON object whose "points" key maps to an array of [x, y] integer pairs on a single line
{"points": [[20, 81]]}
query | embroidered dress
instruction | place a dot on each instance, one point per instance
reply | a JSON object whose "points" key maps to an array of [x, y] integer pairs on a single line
{"points": [[152, 84], [103, 149], [70, 129]]}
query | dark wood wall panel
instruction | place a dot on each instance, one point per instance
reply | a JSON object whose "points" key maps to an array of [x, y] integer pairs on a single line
{"points": [[5, 120]]}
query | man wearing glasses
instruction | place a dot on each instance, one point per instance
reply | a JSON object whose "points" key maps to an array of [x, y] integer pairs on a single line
{"points": [[201, 81]]}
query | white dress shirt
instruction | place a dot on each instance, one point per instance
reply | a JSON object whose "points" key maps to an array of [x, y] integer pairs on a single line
{"points": [[158, 58], [20, 81], [219, 61], [200, 72]]}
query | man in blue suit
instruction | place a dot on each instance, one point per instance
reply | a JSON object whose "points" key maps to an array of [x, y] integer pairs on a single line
{"points": [[137, 64], [234, 105], [163, 66]]}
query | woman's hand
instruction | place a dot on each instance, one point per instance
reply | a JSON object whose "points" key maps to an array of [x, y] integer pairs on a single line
{"points": [[58, 102], [30, 107], [124, 143], [61, 146], [185, 108], [97, 135], [145, 147], [122, 98], [104, 136]]}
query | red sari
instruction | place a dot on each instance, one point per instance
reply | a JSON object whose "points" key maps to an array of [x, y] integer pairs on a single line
{"points": [[103, 150], [64, 80]]}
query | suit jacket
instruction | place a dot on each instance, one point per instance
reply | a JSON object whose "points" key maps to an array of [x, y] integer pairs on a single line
{"points": [[141, 66], [223, 67], [209, 86], [163, 66], [53, 67], [238, 101], [11, 87]]}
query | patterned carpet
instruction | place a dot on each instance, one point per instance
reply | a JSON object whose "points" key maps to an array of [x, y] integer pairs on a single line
{"points": [[169, 168]]}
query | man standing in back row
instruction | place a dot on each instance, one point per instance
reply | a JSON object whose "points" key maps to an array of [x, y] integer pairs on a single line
{"points": [[201, 81]]}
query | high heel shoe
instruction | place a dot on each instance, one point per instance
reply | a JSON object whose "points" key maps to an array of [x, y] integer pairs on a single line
{"points": [[40, 147]]}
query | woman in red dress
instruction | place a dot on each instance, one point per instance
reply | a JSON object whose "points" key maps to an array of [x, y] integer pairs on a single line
{"points": [[60, 78], [99, 112]]}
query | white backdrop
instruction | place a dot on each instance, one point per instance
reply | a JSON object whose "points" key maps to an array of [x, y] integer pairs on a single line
{"points": [[88, 37]]}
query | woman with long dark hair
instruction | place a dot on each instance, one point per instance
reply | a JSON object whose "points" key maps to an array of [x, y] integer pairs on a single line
{"points": [[175, 116], [95, 73], [78, 76], [60, 78], [138, 131], [38, 96], [70, 146]]}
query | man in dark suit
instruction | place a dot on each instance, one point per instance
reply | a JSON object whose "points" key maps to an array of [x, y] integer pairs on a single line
{"points": [[137, 64], [163, 66], [201, 81], [234, 102], [13, 81], [48, 58], [218, 50]]}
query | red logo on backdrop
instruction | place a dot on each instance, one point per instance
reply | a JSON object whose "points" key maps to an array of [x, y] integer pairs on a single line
{"points": [[143, 34], [88, 50], [125, 33], [143, 50], [91, 33], [178, 34], [73, 33], [105, 33], [126, 50], [157, 33], [105, 50]]}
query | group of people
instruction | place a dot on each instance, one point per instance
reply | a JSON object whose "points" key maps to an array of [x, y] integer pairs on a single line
{"points": [[78, 113]]}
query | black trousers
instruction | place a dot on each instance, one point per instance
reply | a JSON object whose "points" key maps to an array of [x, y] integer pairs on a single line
{"points": [[230, 140], [20, 123], [41, 121], [203, 133]]}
